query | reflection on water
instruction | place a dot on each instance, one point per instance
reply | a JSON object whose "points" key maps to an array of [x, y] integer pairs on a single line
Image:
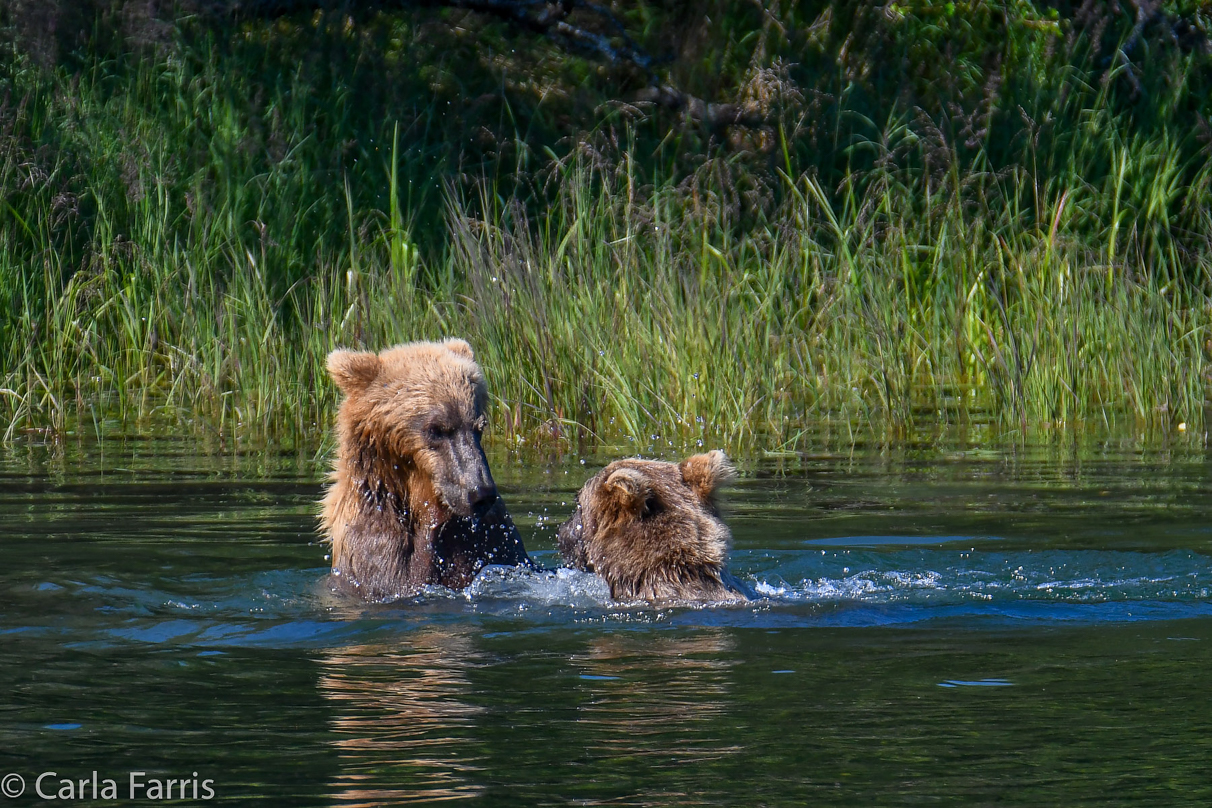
{"points": [[656, 696], [402, 709]]}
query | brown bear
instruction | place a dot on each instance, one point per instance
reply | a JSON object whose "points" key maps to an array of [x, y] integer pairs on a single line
{"points": [[412, 501], [652, 531]]}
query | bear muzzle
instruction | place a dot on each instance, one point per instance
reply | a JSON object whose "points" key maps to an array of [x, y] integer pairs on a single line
{"points": [[482, 498]]}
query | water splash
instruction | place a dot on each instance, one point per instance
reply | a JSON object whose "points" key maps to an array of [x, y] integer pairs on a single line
{"points": [[949, 577], [849, 587]]}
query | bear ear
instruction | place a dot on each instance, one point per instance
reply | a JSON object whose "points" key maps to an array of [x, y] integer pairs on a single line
{"points": [[459, 346], [353, 371], [705, 473], [628, 490]]}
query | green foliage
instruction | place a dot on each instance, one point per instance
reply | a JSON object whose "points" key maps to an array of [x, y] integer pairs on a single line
{"points": [[979, 211]]}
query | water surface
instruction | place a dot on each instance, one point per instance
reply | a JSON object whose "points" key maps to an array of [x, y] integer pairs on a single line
{"points": [[954, 625]]}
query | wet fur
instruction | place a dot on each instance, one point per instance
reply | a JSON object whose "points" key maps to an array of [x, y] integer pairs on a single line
{"points": [[652, 530], [412, 501]]}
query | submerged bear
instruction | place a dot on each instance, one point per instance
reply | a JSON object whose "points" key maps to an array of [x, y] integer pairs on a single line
{"points": [[412, 501], [652, 531]]}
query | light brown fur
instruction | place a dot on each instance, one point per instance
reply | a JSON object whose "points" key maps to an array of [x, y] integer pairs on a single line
{"points": [[652, 530], [412, 501]]}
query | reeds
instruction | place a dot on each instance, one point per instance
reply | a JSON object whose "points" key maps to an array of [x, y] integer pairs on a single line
{"points": [[626, 316], [616, 306]]}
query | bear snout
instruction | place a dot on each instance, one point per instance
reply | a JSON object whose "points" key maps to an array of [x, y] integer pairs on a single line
{"points": [[482, 497]]}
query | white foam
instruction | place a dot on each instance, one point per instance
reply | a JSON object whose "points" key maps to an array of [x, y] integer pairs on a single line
{"points": [[766, 590], [559, 587], [869, 585]]}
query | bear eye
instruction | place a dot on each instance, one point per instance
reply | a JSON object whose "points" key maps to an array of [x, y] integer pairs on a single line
{"points": [[652, 506], [437, 432]]}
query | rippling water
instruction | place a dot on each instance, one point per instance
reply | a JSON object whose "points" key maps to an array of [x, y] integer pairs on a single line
{"points": [[1027, 627]]}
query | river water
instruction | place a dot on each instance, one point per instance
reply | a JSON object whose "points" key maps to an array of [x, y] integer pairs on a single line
{"points": [[1028, 626]]}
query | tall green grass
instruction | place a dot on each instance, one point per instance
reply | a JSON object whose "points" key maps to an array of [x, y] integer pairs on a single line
{"points": [[627, 314], [620, 302]]}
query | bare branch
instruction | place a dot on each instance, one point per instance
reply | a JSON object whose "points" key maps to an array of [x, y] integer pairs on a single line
{"points": [[577, 25], [717, 116]]}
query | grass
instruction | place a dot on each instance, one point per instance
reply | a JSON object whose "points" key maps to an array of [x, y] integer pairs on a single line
{"points": [[631, 316], [621, 302]]}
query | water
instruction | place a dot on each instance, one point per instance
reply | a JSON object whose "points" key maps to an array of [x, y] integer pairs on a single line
{"points": [[1025, 627]]}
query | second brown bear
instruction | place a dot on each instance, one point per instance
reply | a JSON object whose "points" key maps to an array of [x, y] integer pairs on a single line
{"points": [[651, 529]]}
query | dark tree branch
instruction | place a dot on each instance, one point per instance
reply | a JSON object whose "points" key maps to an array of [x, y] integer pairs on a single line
{"points": [[717, 116], [580, 26], [577, 25]]}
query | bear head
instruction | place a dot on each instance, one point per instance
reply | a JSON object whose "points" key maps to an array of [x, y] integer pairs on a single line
{"points": [[651, 529], [418, 408]]}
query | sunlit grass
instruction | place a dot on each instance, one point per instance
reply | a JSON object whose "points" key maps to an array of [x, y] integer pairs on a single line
{"points": [[628, 318], [622, 309]]}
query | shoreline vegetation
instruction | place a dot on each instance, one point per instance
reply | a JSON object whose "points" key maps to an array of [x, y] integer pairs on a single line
{"points": [[182, 243]]}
